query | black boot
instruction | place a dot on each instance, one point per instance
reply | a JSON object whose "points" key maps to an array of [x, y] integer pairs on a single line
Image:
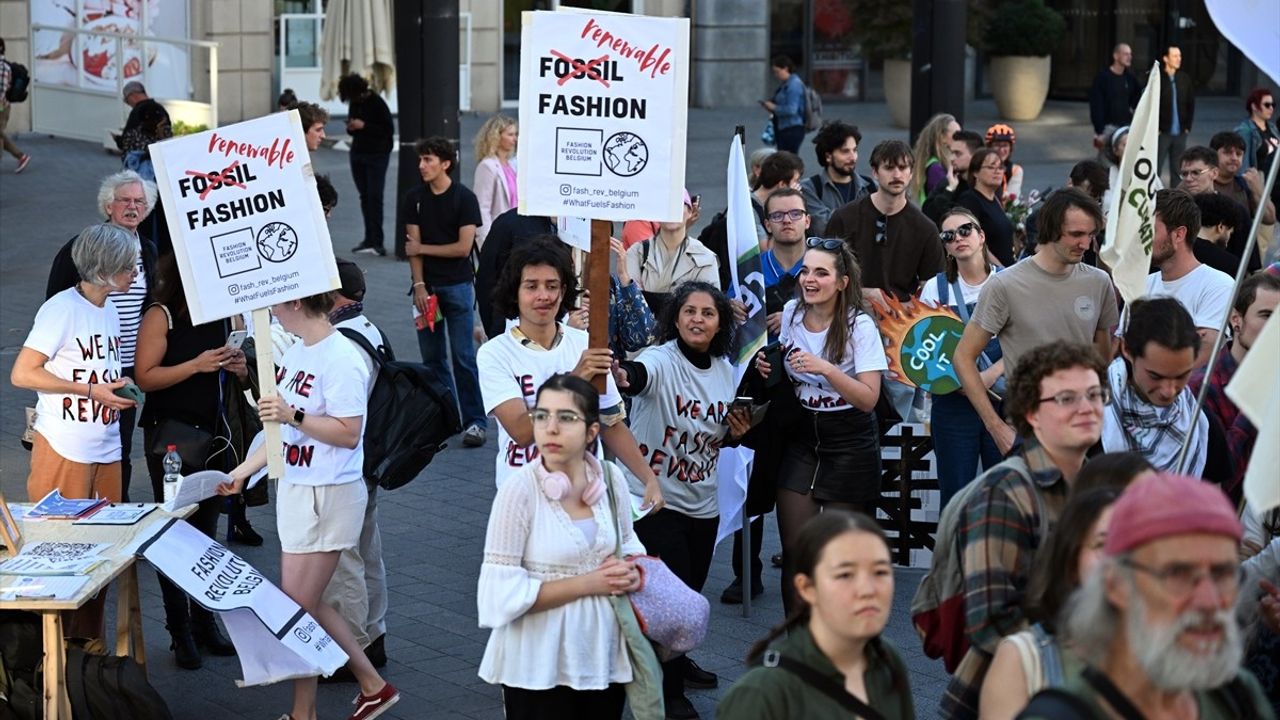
{"points": [[240, 531], [205, 631], [184, 647], [677, 705]]}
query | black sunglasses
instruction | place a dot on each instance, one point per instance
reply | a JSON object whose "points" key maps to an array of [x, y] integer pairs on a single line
{"points": [[964, 231], [824, 243]]}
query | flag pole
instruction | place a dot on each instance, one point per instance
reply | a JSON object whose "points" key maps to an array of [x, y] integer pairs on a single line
{"points": [[740, 132], [1241, 273]]}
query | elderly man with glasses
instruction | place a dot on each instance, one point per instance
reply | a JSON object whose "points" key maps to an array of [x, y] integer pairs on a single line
{"points": [[124, 199], [1156, 619]]}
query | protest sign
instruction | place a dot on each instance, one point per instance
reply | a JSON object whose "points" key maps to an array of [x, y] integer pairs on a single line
{"points": [[241, 204], [275, 639], [920, 342], [603, 105]]}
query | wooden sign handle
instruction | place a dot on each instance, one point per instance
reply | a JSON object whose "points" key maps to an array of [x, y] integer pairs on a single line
{"points": [[265, 350], [598, 284]]}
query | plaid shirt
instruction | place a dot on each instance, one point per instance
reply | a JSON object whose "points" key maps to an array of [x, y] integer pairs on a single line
{"points": [[1241, 434], [6, 76], [999, 537]]}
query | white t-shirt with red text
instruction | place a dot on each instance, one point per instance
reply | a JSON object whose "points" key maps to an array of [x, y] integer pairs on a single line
{"points": [[510, 369], [328, 378], [82, 342], [864, 352]]}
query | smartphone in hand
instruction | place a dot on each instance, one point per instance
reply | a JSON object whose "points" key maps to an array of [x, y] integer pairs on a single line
{"points": [[236, 339]]}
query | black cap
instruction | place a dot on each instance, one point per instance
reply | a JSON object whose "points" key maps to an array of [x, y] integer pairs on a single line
{"points": [[352, 278]]}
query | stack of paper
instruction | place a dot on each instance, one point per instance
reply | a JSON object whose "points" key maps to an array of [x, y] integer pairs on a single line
{"points": [[55, 507], [55, 558], [41, 588]]}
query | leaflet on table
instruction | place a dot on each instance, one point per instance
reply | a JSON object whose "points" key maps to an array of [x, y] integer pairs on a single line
{"points": [[55, 558], [41, 588], [55, 507], [123, 514], [196, 487]]}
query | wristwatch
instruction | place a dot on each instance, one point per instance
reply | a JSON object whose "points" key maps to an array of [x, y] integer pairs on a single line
{"points": [[298, 415]]}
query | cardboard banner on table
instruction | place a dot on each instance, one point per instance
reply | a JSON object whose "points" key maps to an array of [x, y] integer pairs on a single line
{"points": [[275, 639], [604, 99], [248, 230], [920, 342]]}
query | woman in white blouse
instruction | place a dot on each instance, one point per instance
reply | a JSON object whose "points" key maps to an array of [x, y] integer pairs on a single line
{"points": [[495, 178], [549, 566]]}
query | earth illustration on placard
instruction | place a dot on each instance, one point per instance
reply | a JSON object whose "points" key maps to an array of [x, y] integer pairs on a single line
{"points": [[277, 242], [625, 154], [920, 342]]}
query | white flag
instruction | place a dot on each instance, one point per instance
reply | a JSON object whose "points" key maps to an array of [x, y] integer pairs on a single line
{"points": [[734, 466], [1255, 389], [1254, 27], [1131, 223]]}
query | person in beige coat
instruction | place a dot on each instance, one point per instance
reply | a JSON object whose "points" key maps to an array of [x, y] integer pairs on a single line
{"points": [[495, 178]]}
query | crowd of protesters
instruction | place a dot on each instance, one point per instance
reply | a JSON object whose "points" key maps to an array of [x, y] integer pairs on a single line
{"points": [[1101, 569]]}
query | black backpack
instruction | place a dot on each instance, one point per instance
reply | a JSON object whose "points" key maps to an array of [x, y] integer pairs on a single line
{"points": [[107, 687], [19, 82], [410, 417], [21, 665]]}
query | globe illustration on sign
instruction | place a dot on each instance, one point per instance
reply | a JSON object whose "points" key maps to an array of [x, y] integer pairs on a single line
{"points": [[277, 242], [625, 154]]}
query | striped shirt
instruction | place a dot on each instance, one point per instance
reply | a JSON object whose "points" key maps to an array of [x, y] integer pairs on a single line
{"points": [[998, 541], [129, 306]]}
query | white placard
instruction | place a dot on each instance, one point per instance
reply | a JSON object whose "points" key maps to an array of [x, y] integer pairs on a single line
{"points": [[575, 232], [604, 100], [248, 230], [275, 639]]}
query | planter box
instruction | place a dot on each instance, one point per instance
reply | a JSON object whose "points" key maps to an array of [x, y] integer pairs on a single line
{"points": [[1020, 86]]}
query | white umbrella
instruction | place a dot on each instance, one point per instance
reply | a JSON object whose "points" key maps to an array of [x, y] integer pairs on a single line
{"points": [[357, 39]]}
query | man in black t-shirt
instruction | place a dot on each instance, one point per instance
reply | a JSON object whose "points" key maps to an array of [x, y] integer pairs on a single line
{"points": [[441, 217]]}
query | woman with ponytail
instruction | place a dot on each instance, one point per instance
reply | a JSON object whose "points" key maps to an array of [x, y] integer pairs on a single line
{"points": [[829, 660], [833, 356]]}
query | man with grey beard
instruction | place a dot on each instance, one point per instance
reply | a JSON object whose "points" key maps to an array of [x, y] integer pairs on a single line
{"points": [[1155, 621]]}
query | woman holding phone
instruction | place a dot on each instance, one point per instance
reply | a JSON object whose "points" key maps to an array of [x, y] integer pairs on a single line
{"points": [[184, 370], [681, 414], [833, 356]]}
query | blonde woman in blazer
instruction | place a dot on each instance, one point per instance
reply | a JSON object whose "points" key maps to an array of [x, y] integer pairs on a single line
{"points": [[495, 178]]}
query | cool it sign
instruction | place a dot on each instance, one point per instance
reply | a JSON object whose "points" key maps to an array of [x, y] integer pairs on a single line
{"points": [[603, 105], [241, 204], [920, 343]]}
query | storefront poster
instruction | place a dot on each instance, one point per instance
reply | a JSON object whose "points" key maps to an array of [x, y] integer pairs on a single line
{"points": [[603, 107], [89, 61], [248, 230]]}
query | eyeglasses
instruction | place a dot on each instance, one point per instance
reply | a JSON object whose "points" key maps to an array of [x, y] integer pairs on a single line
{"points": [[824, 243], [542, 417], [1181, 579], [140, 202], [882, 224], [1268, 105], [1188, 174], [780, 215], [949, 236], [998, 168], [1071, 398]]}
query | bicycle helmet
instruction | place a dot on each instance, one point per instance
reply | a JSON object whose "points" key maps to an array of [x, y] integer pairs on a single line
{"points": [[1001, 132]]}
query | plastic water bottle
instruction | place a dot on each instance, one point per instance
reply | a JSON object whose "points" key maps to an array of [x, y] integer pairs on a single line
{"points": [[172, 472]]}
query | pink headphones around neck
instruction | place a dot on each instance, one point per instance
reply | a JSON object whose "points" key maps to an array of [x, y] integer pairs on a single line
{"points": [[556, 485]]}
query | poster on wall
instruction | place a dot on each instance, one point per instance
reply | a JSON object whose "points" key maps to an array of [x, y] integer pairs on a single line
{"points": [[89, 62]]}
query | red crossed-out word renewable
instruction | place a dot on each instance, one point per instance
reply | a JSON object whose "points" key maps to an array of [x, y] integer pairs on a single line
{"points": [[218, 179], [587, 68]]}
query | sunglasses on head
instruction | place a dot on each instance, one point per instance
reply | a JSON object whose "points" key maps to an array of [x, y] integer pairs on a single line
{"points": [[964, 231], [824, 243]]}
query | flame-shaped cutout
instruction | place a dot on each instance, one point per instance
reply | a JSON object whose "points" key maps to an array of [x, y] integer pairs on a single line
{"points": [[919, 342]]}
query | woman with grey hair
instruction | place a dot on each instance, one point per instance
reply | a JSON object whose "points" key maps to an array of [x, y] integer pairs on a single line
{"points": [[71, 359], [124, 199]]}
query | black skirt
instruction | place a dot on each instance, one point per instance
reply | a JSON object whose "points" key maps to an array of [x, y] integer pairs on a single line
{"points": [[835, 456]]}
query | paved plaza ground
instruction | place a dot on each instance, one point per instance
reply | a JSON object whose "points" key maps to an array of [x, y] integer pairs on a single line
{"points": [[433, 529]]}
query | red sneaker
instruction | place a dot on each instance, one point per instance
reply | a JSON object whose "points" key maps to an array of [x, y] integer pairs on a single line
{"points": [[371, 706], [22, 164]]}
